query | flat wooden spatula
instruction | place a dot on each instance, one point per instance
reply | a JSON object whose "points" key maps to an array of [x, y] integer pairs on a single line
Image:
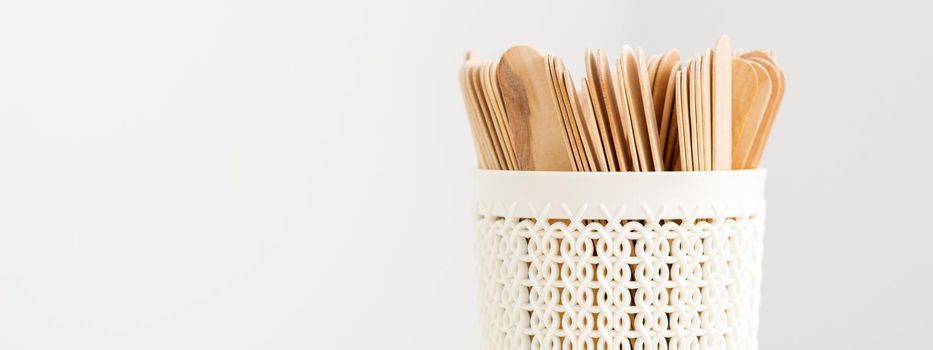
{"points": [[533, 111]]}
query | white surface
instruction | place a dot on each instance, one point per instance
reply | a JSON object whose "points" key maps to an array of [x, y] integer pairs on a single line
{"points": [[629, 195], [168, 170]]}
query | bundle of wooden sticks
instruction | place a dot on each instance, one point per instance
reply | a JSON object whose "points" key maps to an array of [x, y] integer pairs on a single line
{"points": [[712, 112]]}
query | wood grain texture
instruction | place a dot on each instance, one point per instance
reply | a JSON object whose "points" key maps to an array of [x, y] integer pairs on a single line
{"points": [[636, 107], [713, 112], [696, 118], [706, 103], [663, 95], [486, 115], [483, 129], [654, 63], [625, 117], [744, 88], [560, 74], [534, 117], [683, 124], [669, 129], [722, 104], [751, 91], [628, 73], [591, 128], [479, 142], [649, 114], [774, 102], [666, 67], [492, 89], [599, 109], [570, 100], [569, 144], [608, 93]]}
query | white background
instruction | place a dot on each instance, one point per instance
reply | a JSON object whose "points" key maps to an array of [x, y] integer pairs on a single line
{"points": [[295, 174]]}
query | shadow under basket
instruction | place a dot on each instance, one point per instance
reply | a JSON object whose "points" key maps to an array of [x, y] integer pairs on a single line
{"points": [[655, 260]]}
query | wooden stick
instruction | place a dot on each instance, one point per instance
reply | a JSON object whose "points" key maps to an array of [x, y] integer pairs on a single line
{"points": [[599, 109], [534, 117], [590, 125], [722, 105]]}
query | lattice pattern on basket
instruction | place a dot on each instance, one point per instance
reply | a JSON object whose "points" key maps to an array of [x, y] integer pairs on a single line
{"points": [[550, 283]]}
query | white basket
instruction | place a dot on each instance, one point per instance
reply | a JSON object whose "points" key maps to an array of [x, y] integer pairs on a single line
{"points": [[575, 260]]}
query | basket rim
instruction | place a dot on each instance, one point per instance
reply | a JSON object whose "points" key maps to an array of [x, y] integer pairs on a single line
{"points": [[627, 195]]}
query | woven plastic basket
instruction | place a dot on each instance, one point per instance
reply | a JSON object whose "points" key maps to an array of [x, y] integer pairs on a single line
{"points": [[573, 260]]}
